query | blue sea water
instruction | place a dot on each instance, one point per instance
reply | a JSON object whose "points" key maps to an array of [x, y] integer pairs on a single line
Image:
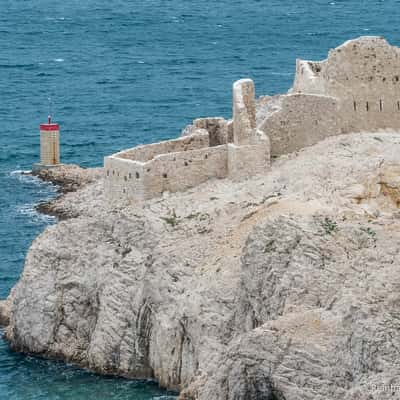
{"points": [[120, 73]]}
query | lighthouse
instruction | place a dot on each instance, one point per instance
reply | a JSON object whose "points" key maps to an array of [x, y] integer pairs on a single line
{"points": [[49, 146]]}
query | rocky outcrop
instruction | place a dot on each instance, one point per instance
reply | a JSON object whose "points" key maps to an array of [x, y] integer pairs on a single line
{"points": [[5, 308], [68, 178], [281, 287], [321, 304]]}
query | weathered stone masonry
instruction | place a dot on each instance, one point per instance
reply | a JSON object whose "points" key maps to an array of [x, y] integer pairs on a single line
{"points": [[210, 148], [357, 88]]}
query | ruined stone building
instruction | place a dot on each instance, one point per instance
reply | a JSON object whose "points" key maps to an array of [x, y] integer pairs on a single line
{"points": [[357, 88]]}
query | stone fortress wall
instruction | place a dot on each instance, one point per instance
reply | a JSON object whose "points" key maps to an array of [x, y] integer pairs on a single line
{"points": [[210, 148], [357, 88]]}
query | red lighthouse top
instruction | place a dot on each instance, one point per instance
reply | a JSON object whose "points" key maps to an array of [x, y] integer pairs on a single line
{"points": [[49, 126]]}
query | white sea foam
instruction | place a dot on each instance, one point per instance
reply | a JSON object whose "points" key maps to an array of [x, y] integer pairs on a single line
{"points": [[30, 211], [58, 60], [281, 73], [55, 18], [20, 172], [25, 177]]}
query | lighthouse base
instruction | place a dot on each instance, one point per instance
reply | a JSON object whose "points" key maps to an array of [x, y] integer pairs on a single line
{"points": [[39, 167]]}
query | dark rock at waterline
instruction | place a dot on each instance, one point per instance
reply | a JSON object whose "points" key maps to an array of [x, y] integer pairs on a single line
{"points": [[69, 177], [4, 312]]}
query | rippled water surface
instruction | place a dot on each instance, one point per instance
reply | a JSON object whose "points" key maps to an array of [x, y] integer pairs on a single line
{"points": [[122, 73]]}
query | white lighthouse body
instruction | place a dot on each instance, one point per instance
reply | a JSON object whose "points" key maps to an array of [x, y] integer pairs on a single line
{"points": [[49, 146]]}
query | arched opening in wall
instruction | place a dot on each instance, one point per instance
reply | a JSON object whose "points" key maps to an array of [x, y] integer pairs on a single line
{"points": [[108, 172], [380, 105], [137, 175], [398, 106], [367, 106], [125, 178], [165, 175], [355, 106], [130, 175]]}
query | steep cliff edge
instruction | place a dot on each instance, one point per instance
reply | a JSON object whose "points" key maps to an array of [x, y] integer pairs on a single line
{"points": [[282, 287]]}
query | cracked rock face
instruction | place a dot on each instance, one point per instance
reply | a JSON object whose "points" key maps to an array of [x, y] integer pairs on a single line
{"points": [[285, 286], [322, 313]]}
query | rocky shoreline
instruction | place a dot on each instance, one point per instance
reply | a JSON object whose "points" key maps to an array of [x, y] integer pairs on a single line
{"points": [[281, 287], [5, 310], [68, 178]]}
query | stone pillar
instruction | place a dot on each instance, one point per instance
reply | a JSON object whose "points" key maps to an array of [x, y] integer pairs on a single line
{"points": [[244, 112], [249, 154]]}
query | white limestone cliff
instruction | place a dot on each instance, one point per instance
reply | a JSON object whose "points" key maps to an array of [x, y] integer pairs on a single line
{"points": [[284, 285]]}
